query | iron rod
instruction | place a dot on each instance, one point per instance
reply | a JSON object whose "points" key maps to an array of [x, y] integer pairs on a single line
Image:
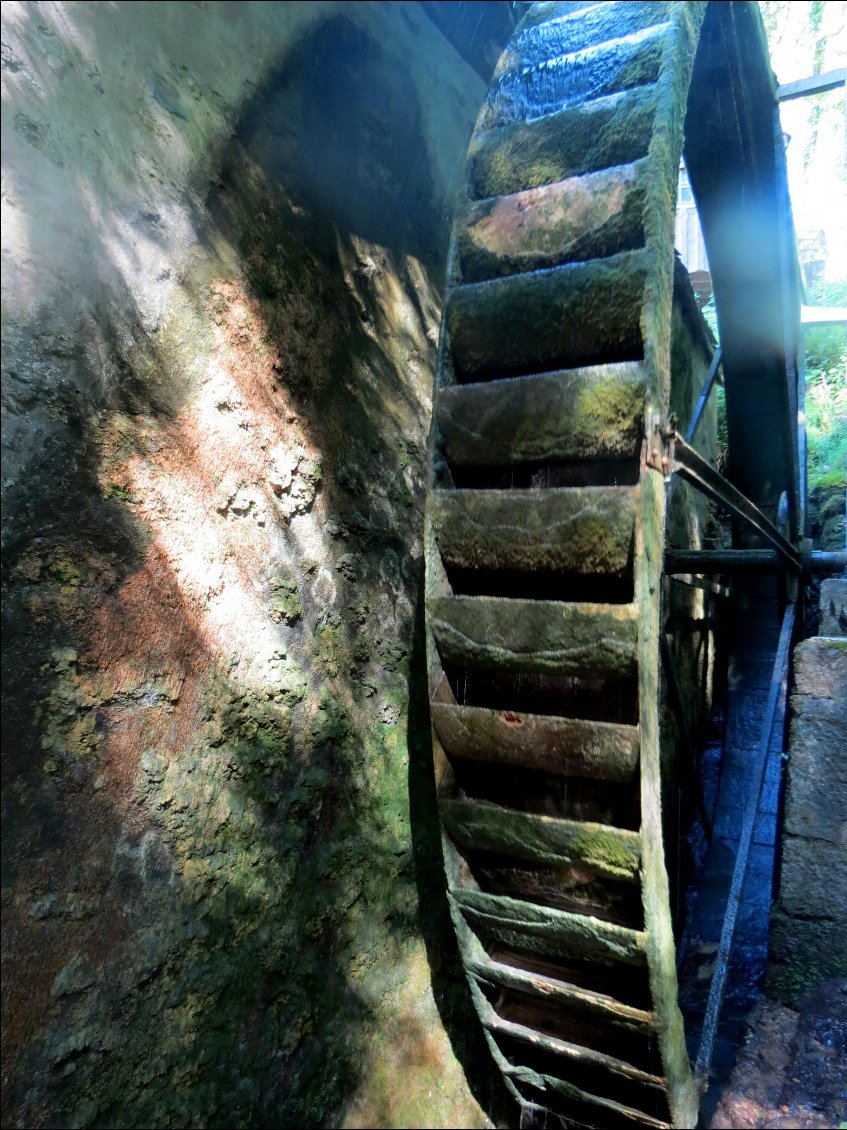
{"points": [[829, 561], [705, 393], [722, 561], [729, 561], [693, 467]]}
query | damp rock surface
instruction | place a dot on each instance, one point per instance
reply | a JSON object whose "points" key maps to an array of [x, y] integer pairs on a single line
{"points": [[790, 1073], [225, 231]]}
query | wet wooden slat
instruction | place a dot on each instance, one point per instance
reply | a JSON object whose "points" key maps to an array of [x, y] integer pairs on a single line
{"points": [[598, 1005], [564, 746], [606, 132], [534, 636], [569, 1051], [578, 76], [587, 413], [543, 1082], [553, 933], [586, 531], [612, 853], [552, 29], [578, 314], [584, 217]]}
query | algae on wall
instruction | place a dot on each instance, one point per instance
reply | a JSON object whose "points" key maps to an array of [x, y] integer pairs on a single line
{"points": [[224, 289]]}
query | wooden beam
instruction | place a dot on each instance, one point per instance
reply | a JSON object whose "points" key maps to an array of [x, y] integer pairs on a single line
{"points": [[814, 84], [823, 315]]}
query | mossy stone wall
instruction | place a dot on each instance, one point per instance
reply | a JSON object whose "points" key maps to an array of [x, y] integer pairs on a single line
{"points": [[225, 228]]}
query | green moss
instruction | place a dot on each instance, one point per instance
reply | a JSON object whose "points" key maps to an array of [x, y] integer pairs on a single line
{"points": [[510, 324], [560, 145], [312, 470], [65, 572], [332, 721], [644, 67], [286, 605], [392, 656], [328, 648], [604, 406], [804, 954], [829, 480]]}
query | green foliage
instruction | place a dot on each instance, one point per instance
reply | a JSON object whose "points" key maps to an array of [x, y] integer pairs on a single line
{"points": [[710, 315], [826, 393]]}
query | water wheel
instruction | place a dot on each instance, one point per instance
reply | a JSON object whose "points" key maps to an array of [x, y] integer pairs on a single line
{"points": [[571, 350]]}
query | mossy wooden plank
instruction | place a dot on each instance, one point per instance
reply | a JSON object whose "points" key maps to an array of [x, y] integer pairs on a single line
{"points": [[587, 530], [656, 890], [664, 156], [615, 65], [543, 1082], [590, 216], [565, 746], [612, 853], [561, 32], [597, 1005], [573, 1052], [576, 889], [534, 636], [583, 24], [525, 926], [592, 412], [609, 131], [577, 314], [571, 1091]]}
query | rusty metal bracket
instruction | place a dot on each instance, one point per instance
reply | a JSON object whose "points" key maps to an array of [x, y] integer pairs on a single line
{"points": [[657, 449], [667, 452]]}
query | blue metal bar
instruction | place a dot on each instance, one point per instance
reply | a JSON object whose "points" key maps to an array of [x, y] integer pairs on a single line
{"points": [[705, 392], [716, 990]]}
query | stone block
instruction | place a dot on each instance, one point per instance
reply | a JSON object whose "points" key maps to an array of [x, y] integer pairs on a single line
{"points": [[814, 878], [820, 679], [816, 798], [833, 606]]}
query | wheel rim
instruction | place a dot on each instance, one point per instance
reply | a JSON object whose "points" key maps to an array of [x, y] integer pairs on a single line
{"points": [[564, 323]]}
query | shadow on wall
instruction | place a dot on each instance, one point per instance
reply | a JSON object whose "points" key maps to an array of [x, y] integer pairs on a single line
{"points": [[213, 891]]}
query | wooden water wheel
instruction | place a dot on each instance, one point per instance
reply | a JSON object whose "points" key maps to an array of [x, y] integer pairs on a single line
{"points": [[571, 351]]}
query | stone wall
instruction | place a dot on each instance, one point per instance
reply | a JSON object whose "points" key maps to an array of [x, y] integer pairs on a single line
{"points": [[224, 232], [809, 930]]}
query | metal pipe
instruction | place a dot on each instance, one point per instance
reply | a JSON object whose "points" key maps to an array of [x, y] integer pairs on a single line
{"points": [[722, 561], [684, 460], [730, 561], [828, 561]]}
